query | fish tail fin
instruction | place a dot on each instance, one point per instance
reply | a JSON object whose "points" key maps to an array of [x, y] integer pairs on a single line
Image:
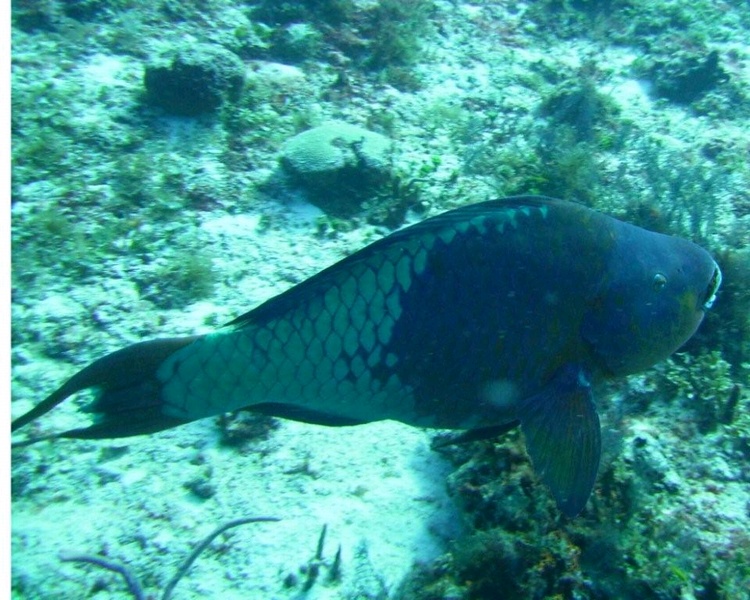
{"points": [[129, 394]]}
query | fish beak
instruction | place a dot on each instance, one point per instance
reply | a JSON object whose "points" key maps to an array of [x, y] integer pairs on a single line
{"points": [[713, 288]]}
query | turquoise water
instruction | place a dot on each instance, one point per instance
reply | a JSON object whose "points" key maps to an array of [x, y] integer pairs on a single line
{"points": [[160, 189]]}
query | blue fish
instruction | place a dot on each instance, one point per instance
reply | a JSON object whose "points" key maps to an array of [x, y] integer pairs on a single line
{"points": [[490, 316]]}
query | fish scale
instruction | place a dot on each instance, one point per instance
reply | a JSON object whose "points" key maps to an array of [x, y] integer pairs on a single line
{"points": [[322, 348], [304, 357], [487, 317], [307, 354]]}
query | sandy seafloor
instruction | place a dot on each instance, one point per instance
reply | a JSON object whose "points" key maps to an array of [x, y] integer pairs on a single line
{"points": [[379, 489]]}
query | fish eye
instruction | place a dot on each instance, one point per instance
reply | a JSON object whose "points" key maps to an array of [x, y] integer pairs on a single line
{"points": [[659, 282]]}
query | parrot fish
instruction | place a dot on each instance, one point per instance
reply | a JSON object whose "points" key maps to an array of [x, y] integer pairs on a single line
{"points": [[494, 315]]}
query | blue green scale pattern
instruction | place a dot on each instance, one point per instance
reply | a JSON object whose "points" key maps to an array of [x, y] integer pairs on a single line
{"points": [[385, 333], [321, 352]]}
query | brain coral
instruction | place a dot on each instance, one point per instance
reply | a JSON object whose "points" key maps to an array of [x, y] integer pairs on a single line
{"points": [[338, 164]]}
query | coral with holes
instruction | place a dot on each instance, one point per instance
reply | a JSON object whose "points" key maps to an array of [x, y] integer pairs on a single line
{"points": [[194, 79]]}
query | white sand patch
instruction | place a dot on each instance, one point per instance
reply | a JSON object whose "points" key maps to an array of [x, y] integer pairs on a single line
{"points": [[377, 487]]}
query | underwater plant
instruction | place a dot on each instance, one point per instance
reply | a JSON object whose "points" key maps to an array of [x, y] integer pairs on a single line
{"points": [[385, 35], [396, 32], [181, 281], [703, 381], [578, 104], [134, 585], [311, 571]]}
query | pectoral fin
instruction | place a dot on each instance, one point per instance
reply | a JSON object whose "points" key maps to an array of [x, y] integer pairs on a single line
{"points": [[563, 437]]}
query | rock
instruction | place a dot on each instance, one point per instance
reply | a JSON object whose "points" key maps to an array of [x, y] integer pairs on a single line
{"points": [[193, 79], [340, 165], [684, 77], [296, 42]]}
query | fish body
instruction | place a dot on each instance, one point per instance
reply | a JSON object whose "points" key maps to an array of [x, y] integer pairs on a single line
{"points": [[491, 315]]}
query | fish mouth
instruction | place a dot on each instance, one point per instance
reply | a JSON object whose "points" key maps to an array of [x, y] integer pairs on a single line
{"points": [[713, 288]]}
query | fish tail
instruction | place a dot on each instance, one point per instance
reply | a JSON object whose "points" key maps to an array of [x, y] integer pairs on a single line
{"points": [[129, 398]]}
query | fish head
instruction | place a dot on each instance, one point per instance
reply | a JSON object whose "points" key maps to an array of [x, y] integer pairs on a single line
{"points": [[651, 299]]}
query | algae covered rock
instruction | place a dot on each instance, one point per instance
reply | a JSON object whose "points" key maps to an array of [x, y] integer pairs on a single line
{"points": [[340, 165], [685, 76], [193, 79]]}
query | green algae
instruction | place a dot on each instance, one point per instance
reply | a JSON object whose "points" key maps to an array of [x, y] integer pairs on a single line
{"points": [[182, 281]]}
